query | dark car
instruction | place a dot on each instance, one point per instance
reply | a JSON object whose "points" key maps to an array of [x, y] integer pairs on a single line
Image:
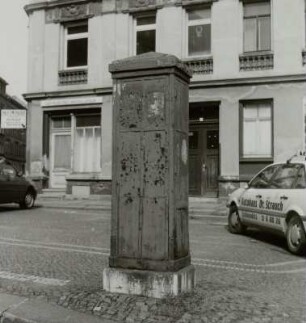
{"points": [[15, 188]]}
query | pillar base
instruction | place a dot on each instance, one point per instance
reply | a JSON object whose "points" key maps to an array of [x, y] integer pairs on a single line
{"points": [[149, 283]]}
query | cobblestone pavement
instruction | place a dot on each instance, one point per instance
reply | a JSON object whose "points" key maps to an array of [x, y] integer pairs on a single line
{"points": [[58, 256]]}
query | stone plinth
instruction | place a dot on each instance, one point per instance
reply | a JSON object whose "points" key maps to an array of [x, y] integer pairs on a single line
{"points": [[148, 283]]}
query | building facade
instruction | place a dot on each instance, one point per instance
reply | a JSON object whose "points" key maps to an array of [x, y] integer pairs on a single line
{"points": [[12, 141], [247, 97]]}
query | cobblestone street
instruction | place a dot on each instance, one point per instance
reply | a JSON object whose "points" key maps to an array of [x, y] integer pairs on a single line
{"points": [[58, 255]]}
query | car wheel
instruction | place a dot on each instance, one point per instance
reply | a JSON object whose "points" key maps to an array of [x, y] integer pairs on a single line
{"points": [[28, 200], [234, 222], [295, 235]]}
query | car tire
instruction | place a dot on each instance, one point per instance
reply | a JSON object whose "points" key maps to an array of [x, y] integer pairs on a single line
{"points": [[234, 223], [295, 235], [28, 200]]}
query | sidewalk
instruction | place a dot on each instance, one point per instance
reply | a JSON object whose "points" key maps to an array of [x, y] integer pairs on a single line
{"points": [[16, 309], [198, 207]]}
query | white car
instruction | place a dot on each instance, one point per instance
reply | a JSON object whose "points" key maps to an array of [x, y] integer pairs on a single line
{"points": [[275, 199]]}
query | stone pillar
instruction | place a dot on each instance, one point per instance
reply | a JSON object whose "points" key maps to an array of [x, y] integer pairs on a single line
{"points": [[150, 237]]}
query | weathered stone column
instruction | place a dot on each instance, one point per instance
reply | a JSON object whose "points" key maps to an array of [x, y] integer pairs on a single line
{"points": [[150, 236]]}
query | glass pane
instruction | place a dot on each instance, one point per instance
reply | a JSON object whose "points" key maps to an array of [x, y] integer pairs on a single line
{"points": [[250, 112], [87, 150], [57, 123], [63, 122], [199, 39], [264, 144], [249, 35], [262, 179], [77, 29], [264, 33], [141, 21], [249, 139], [285, 177], [264, 111], [145, 41], [8, 170], [62, 158], [88, 121], [67, 122], [256, 9], [301, 181], [77, 52], [199, 14]]}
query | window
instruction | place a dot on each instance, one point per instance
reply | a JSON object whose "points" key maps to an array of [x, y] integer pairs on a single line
{"points": [[87, 146], [286, 176], [257, 130], [76, 45], [301, 180], [145, 34], [199, 32], [7, 170], [257, 26], [263, 178]]}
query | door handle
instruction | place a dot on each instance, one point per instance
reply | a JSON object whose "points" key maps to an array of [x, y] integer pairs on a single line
{"points": [[258, 196], [284, 197]]}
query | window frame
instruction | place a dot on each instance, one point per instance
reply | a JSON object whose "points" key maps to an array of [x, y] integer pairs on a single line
{"points": [[257, 50], [146, 27], [242, 104], [67, 37], [189, 23]]}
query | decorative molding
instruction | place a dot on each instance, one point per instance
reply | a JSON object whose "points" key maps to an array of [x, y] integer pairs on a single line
{"points": [[71, 77], [249, 81], [141, 3], [256, 61], [304, 57], [67, 93], [201, 66], [71, 12], [186, 3]]}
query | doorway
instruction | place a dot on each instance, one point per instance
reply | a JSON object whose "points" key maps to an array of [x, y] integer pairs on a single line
{"points": [[60, 151], [204, 149]]}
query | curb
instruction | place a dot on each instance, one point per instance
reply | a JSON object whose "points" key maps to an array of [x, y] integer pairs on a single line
{"points": [[17, 309]]}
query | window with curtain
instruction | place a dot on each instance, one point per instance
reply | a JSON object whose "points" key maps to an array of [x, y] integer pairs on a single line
{"points": [[199, 32], [256, 26], [87, 144], [257, 130]]}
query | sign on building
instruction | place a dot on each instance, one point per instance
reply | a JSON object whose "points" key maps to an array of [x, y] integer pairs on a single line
{"points": [[13, 119]]}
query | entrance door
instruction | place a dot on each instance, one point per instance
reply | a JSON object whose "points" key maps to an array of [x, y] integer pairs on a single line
{"points": [[60, 159], [204, 159]]}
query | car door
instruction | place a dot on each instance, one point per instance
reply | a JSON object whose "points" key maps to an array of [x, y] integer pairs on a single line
{"points": [[13, 186], [286, 183], [252, 201]]}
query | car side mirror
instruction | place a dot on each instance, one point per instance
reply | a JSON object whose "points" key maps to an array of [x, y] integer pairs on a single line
{"points": [[246, 185]]}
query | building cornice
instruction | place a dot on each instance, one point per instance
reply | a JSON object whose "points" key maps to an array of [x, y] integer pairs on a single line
{"points": [[126, 6], [247, 81], [69, 93], [43, 5]]}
